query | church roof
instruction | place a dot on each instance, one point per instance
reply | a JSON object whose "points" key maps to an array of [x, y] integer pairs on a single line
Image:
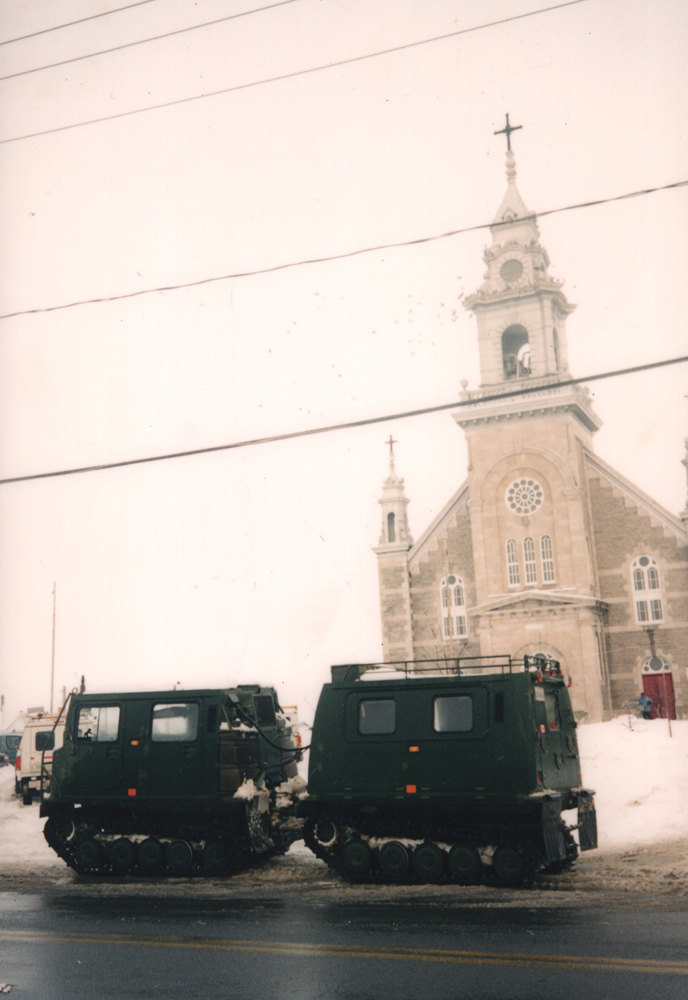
{"points": [[636, 495], [438, 525]]}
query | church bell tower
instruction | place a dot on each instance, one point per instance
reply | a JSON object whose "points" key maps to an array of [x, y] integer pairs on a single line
{"points": [[535, 577], [521, 310]]}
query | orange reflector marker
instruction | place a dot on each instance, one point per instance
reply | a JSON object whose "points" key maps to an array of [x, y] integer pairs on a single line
{"points": [[133, 743], [414, 749], [542, 728], [411, 789], [131, 791]]}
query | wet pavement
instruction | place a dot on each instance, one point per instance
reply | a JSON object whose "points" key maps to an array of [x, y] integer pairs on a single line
{"points": [[374, 944]]}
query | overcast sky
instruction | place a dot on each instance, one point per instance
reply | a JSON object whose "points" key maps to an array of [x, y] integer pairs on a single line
{"points": [[255, 564]]}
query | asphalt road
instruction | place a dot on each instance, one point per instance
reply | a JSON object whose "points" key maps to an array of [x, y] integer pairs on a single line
{"points": [[94, 945]]}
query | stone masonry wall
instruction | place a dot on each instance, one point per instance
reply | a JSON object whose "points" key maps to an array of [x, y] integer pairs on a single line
{"points": [[623, 531], [451, 552], [393, 573]]}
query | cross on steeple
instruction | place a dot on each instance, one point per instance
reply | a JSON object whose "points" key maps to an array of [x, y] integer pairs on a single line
{"points": [[391, 444], [507, 130]]}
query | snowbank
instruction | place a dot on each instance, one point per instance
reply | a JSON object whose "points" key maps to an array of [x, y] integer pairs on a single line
{"points": [[640, 775], [21, 828]]}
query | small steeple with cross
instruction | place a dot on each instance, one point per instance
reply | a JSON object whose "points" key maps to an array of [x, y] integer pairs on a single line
{"points": [[395, 528]]}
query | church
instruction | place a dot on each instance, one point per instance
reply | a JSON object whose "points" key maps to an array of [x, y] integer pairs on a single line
{"points": [[544, 547]]}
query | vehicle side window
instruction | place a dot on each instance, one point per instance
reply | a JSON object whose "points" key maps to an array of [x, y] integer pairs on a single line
{"points": [[453, 714], [377, 717], [265, 709], [13, 742], [98, 723], [176, 723], [552, 711], [45, 741]]}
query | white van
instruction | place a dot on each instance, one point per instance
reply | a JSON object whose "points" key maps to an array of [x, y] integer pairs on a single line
{"points": [[37, 744]]}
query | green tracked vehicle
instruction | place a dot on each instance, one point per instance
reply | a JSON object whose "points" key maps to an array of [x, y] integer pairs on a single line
{"points": [[447, 770], [173, 782]]}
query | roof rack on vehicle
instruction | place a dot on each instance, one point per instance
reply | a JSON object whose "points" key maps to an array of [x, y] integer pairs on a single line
{"points": [[346, 673]]}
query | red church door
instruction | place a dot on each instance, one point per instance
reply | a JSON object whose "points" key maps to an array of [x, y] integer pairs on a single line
{"points": [[660, 687]]}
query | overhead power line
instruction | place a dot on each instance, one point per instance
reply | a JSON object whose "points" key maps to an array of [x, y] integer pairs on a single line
{"points": [[143, 41], [339, 256], [69, 24], [289, 76], [273, 438]]}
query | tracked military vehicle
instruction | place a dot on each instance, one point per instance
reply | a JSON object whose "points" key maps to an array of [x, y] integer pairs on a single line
{"points": [[173, 782], [443, 770]]}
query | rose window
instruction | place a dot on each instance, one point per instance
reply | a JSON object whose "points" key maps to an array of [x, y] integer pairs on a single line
{"points": [[524, 496]]}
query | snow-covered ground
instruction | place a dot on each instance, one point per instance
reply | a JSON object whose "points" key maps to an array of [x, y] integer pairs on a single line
{"points": [[637, 769], [640, 775]]}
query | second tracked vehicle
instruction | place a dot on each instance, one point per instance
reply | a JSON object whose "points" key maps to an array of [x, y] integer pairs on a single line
{"points": [[442, 770]]}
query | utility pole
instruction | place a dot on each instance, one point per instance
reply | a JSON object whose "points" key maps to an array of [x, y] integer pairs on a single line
{"points": [[52, 661]]}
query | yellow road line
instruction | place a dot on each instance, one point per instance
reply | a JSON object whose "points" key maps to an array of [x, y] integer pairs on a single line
{"points": [[301, 949]]}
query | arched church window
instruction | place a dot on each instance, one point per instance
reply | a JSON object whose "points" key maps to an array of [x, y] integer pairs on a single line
{"points": [[515, 352], [547, 557], [647, 594], [512, 562], [391, 533], [529, 563], [454, 617]]}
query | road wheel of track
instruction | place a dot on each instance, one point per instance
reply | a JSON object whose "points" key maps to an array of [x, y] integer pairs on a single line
{"points": [[428, 861], [58, 831], [150, 856], [325, 832], [514, 864], [357, 857], [179, 856], [464, 864], [122, 855], [394, 859], [88, 854], [214, 857]]}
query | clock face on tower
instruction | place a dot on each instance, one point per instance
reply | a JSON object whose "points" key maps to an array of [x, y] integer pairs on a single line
{"points": [[511, 270], [524, 496]]}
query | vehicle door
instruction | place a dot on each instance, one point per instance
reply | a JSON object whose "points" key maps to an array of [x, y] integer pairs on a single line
{"points": [[548, 720], [97, 748], [174, 758]]}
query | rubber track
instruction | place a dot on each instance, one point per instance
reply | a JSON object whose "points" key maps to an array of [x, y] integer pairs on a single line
{"points": [[243, 857], [533, 857]]}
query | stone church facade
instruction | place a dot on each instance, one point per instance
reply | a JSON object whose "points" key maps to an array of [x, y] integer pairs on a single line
{"points": [[544, 547]]}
